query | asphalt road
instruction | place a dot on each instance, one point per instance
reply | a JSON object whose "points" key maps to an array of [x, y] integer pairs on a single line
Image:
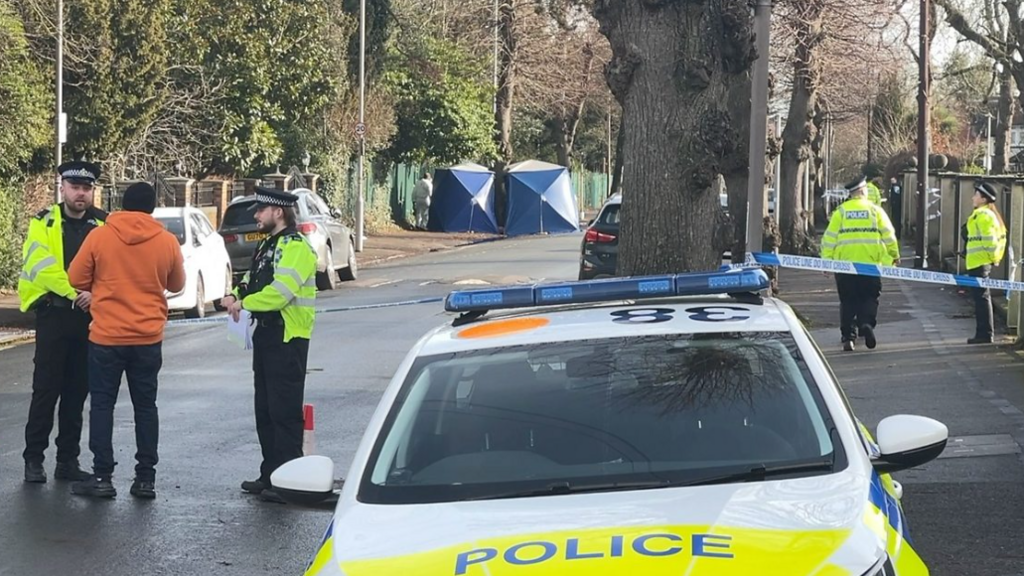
{"points": [[200, 522], [966, 513]]}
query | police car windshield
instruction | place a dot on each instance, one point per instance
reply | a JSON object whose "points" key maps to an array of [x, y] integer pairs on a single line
{"points": [[671, 410]]}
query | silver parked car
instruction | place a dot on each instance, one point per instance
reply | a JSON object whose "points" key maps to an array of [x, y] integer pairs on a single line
{"points": [[333, 241]]}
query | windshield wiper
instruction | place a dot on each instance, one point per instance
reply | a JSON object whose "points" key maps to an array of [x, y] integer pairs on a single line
{"points": [[563, 488], [761, 472]]}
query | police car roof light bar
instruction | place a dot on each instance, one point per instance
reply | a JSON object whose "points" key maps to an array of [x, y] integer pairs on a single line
{"points": [[608, 290]]}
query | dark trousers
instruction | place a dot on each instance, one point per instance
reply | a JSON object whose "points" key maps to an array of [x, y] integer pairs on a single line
{"points": [[982, 304], [896, 207], [61, 373], [858, 303], [141, 365], [279, 371]]}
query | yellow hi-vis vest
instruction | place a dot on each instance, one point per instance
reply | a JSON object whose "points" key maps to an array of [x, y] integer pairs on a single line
{"points": [[860, 231], [986, 238], [874, 194], [291, 291], [42, 269]]}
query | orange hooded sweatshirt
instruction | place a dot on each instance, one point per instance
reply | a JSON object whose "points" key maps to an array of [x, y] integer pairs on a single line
{"points": [[127, 265]]}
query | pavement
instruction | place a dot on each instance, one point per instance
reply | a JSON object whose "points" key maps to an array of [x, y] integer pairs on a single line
{"points": [[965, 510], [17, 328]]}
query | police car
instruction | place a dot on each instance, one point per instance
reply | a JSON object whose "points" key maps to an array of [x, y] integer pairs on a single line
{"points": [[671, 425]]}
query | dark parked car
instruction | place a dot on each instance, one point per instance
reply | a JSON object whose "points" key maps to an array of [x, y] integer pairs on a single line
{"points": [[600, 252], [333, 241]]}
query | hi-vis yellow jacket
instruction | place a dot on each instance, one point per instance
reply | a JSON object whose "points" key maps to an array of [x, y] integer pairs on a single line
{"points": [[874, 194], [860, 231], [43, 269], [986, 238], [282, 278]]}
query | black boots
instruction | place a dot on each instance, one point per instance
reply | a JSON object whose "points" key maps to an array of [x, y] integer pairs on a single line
{"points": [[869, 336], [143, 489], [70, 471], [34, 473], [94, 487], [255, 487]]}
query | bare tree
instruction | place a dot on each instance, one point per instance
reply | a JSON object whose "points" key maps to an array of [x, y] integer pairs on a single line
{"points": [[998, 28], [831, 42], [562, 58]]}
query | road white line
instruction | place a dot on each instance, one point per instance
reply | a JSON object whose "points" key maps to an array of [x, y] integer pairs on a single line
{"points": [[386, 283]]}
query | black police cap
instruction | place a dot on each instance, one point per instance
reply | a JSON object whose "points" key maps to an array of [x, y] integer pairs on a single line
{"points": [[273, 197], [79, 171], [986, 190]]}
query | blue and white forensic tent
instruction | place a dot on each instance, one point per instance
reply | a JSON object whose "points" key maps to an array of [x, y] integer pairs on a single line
{"points": [[463, 200], [540, 199]]}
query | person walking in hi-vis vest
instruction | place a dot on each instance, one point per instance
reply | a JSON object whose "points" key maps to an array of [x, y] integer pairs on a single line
{"points": [[986, 245], [874, 194], [62, 322], [280, 292], [859, 231]]}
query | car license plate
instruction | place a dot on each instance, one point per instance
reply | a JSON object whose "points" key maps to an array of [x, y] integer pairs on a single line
{"points": [[254, 237]]}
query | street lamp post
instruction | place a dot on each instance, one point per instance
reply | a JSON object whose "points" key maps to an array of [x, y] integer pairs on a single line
{"points": [[988, 143], [923, 136], [360, 129], [59, 123]]}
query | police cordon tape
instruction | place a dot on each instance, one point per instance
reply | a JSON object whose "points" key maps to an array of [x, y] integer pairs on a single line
{"points": [[219, 319], [753, 259], [911, 274]]}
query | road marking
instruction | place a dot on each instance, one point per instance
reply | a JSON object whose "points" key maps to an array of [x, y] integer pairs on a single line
{"points": [[472, 282], [428, 282], [936, 340], [981, 445], [385, 283]]}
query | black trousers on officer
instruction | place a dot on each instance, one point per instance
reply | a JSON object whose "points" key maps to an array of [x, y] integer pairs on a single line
{"points": [[61, 374], [983, 315], [280, 377], [858, 303]]}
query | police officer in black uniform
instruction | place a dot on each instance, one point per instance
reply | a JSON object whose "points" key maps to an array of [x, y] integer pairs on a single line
{"points": [[62, 322], [280, 292]]}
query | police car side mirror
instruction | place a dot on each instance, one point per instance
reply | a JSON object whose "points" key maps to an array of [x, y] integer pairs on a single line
{"points": [[306, 481], [908, 441]]}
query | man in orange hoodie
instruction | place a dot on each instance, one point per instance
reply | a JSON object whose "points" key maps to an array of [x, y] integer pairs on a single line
{"points": [[128, 268]]}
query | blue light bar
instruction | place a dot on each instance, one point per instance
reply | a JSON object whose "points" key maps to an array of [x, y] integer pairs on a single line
{"points": [[721, 282], [605, 290], [608, 290]]}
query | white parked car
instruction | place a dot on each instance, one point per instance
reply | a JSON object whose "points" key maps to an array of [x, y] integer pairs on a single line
{"points": [[207, 265]]}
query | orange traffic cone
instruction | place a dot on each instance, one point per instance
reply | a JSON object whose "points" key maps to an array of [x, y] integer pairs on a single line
{"points": [[308, 435]]}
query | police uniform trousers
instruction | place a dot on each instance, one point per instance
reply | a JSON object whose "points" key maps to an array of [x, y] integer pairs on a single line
{"points": [[983, 315], [858, 303], [61, 374], [279, 371]]}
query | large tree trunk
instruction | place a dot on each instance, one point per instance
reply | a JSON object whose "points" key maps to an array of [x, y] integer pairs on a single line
{"points": [[799, 131], [672, 68], [1003, 124], [503, 103]]}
